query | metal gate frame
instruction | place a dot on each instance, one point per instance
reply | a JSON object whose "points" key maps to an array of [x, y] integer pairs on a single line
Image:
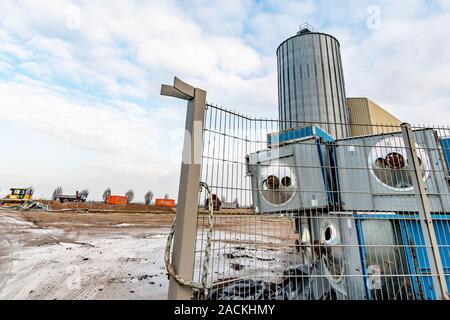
{"points": [[187, 206]]}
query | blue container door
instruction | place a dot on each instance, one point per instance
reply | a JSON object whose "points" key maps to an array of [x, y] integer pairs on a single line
{"points": [[383, 257], [442, 229], [418, 260], [419, 265]]}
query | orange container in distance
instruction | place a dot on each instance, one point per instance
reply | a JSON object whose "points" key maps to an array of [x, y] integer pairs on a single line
{"points": [[165, 203], [116, 200]]}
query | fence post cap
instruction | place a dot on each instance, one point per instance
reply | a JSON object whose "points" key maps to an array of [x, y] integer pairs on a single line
{"points": [[180, 90]]}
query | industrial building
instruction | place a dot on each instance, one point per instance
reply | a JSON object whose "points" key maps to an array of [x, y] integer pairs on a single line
{"points": [[340, 167], [342, 200]]}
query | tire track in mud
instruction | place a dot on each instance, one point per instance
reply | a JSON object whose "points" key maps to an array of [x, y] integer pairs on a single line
{"points": [[7, 251], [12, 282], [49, 291], [59, 287], [6, 258], [17, 281], [90, 288]]}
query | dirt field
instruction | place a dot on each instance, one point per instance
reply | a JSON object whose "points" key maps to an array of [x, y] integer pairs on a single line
{"points": [[82, 256], [87, 255]]}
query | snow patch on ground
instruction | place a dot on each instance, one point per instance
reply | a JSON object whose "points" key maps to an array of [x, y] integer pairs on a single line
{"points": [[108, 265], [124, 225]]}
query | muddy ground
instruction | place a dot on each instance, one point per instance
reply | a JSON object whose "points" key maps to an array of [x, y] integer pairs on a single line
{"points": [[70, 255], [82, 256]]}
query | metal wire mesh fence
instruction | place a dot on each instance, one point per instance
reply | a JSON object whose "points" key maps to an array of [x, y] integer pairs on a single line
{"points": [[301, 216]]}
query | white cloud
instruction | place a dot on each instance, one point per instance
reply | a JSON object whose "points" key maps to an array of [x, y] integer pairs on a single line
{"points": [[125, 137], [5, 67], [96, 88], [404, 65], [224, 17]]}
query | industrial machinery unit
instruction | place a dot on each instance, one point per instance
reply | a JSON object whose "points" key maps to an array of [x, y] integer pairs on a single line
{"points": [[330, 241], [375, 174], [291, 178], [376, 256], [311, 88], [18, 196], [372, 248], [376, 183]]}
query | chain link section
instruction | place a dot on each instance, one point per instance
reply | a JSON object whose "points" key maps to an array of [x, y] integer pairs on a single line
{"points": [[199, 289]]}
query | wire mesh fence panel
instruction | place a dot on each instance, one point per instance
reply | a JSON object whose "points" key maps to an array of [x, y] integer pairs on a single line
{"points": [[299, 215]]}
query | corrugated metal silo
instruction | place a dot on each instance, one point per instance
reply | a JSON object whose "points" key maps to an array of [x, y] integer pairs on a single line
{"points": [[311, 83]]}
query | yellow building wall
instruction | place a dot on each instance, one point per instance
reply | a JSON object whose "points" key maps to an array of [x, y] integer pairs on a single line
{"points": [[385, 122], [367, 118]]}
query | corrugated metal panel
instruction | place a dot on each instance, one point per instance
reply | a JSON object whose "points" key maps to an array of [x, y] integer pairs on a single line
{"points": [[360, 119], [367, 118], [383, 121], [311, 84]]}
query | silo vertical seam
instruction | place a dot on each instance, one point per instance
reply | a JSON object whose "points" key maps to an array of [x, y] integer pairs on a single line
{"points": [[288, 86], [315, 75], [323, 80], [302, 81], [285, 102], [280, 96], [295, 84], [331, 89], [344, 95], [339, 101]]}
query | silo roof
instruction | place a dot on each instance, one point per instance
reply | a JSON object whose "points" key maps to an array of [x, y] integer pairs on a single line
{"points": [[300, 34]]}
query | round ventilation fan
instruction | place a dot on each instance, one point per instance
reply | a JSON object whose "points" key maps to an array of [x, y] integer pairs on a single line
{"points": [[333, 255], [277, 183], [389, 164]]}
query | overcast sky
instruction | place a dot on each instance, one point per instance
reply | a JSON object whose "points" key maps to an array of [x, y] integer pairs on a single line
{"points": [[79, 80]]}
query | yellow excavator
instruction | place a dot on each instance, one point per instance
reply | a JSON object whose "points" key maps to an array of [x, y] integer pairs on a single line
{"points": [[17, 197]]}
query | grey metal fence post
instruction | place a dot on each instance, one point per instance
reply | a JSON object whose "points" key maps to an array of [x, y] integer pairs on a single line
{"points": [[426, 221], [187, 205]]}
